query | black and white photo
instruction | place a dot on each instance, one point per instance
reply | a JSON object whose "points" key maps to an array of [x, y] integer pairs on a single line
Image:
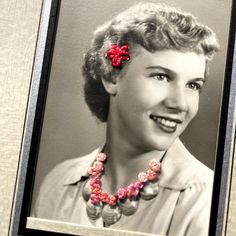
{"points": [[132, 116]]}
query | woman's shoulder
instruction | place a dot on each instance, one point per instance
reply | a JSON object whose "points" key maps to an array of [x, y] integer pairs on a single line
{"points": [[71, 170], [193, 181], [58, 180], [182, 170], [198, 172]]}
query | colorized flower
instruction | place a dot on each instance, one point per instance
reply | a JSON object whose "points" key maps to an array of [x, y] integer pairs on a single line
{"points": [[152, 175], [94, 171], [101, 157], [98, 165], [111, 200], [118, 54], [95, 180], [142, 177], [95, 199], [138, 185], [122, 193], [132, 190], [95, 189], [103, 196], [155, 165]]}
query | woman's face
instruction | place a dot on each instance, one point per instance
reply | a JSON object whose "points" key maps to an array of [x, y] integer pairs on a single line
{"points": [[157, 97]]}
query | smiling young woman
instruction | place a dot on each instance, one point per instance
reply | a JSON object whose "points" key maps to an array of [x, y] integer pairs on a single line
{"points": [[155, 98], [143, 77]]}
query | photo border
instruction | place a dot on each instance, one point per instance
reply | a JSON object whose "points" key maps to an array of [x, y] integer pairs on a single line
{"points": [[34, 116], [21, 224], [224, 156]]}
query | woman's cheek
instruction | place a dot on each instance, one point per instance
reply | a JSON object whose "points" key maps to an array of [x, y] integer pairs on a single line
{"points": [[193, 104]]}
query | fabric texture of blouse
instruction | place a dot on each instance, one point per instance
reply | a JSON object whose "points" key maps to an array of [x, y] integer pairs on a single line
{"points": [[181, 208]]}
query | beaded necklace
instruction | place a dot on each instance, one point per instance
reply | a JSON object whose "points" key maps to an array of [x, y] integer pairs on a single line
{"points": [[111, 207]]}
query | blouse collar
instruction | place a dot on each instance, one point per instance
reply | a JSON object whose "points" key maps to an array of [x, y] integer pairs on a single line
{"points": [[179, 169]]}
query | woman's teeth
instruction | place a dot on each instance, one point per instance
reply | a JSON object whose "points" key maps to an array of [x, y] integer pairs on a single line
{"points": [[165, 122]]}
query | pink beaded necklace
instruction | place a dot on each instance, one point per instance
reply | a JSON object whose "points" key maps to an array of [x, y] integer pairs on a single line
{"points": [[111, 207]]}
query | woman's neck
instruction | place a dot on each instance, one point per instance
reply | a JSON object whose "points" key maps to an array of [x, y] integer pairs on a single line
{"points": [[124, 162]]}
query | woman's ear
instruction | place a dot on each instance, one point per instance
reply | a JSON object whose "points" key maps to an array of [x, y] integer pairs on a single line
{"points": [[110, 87]]}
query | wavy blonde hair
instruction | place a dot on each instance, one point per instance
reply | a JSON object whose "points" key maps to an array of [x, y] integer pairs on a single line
{"points": [[148, 25]]}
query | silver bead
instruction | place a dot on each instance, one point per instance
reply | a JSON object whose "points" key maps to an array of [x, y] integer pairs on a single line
{"points": [[128, 206], [94, 211], [150, 190], [110, 214]]}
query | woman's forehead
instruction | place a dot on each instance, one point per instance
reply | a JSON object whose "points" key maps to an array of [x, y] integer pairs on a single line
{"points": [[189, 63]]}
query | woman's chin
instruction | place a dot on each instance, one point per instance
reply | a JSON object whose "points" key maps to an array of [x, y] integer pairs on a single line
{"points": [[161, 145]]}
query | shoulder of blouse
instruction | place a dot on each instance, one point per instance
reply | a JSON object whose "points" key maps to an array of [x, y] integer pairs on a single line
{"points": [[72, 170], [181, 170], [66, 173], [194, 181]]}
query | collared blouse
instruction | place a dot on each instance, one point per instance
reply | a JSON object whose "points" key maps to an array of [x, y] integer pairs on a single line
{"points": [[181, 208]]}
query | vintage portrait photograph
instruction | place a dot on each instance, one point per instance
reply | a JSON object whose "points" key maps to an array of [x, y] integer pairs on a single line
{"points": [[132, 113]]}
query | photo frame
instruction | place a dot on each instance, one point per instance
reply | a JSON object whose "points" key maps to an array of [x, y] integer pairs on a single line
{"points": [[45, 60]]}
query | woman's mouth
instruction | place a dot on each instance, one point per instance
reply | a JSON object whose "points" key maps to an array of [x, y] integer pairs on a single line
{"points": [[165, 124]]}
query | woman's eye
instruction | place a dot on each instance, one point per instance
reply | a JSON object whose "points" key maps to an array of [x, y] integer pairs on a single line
{"points": [[161, 77], [195, 86]]}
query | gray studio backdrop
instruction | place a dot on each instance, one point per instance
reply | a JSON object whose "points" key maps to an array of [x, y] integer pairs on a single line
{"points": [[70, 131]]}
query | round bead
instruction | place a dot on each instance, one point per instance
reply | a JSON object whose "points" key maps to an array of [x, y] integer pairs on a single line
{"points": [[128, 206], [110, 214], [94, 211], [150, 190]]}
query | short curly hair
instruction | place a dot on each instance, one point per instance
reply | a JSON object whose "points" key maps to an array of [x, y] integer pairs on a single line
{"points": [[148, 25]]}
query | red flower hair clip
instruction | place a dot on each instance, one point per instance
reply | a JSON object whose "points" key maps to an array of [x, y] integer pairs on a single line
{"points": [[118, 54]]}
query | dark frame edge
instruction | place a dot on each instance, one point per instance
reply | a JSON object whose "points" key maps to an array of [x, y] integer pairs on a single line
{"points": [[230, 180], [226, 135], [35, 105]]}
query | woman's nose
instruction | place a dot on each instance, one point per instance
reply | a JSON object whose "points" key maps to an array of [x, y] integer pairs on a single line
{"points": [[176, 100]]}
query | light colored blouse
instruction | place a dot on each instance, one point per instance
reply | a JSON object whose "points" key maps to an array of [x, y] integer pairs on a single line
{"points": [[181, 208]]}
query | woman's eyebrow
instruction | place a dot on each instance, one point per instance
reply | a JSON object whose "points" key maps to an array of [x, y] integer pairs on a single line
{"points": [[199, 79], [166, 70], [172, 73]]}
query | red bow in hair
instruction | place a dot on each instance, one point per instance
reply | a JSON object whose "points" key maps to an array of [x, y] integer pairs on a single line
{"points": [[118, 54]]}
